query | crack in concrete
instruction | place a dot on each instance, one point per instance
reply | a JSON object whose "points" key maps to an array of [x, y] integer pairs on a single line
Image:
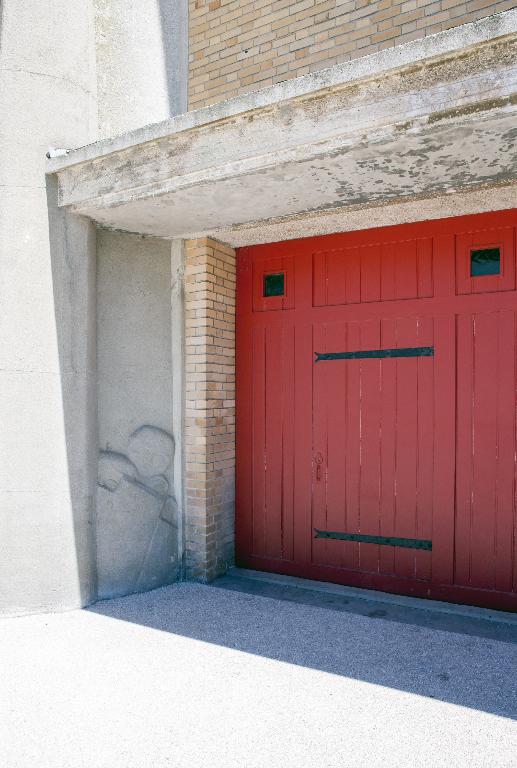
{"points": [[47, 74]]}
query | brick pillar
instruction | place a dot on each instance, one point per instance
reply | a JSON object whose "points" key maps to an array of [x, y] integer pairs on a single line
{"points": [[209, 408]]}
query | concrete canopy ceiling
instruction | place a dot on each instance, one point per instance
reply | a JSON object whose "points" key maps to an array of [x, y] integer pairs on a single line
{"points": [[431, 120]]}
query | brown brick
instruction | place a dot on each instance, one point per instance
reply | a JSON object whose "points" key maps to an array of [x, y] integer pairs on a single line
{"points": [[227, 40], [210, 406]]}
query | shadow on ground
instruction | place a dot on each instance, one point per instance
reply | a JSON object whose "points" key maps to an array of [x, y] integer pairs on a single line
{"points": [[373, 608], [471, 663]]}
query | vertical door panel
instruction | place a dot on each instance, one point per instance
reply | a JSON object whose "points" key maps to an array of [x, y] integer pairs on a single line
{"points": [[485, 505], [273, 453], [373, 426], [273, 441], [506, 510], [369, 444], [406, 446], [425, 437], [259, 440], [445, 445], [388, 385], [352, 519], [328, 460]]}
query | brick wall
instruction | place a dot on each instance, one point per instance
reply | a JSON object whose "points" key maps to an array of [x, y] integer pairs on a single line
{"points": [[242, 45], [209, 407]]}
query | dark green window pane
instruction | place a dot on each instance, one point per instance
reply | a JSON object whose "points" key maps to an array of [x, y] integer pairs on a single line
{"points": [[485, 261], [274, 285]]}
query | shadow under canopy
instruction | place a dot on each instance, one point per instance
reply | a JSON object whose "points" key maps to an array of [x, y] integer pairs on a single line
{"points": [[461, 667]]}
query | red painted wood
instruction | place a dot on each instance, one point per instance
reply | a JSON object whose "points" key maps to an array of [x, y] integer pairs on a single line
{"points": [[486, 448], [505, 538], [442, 568], [369, 444], [423, 528], [288, 441], [418, 447], [303, 451], [388, 395], [258, 430], [244, 436], [275, 383], [352, 436]]}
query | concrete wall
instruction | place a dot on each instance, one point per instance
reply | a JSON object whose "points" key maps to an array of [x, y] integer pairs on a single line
{"points": [[142, 62], [238, 46], [139, 492], [53, 55], [47, 97]]}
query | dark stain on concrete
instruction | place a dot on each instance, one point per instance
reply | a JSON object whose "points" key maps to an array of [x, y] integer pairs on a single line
{"points": [[470, 109], [377, 613]]}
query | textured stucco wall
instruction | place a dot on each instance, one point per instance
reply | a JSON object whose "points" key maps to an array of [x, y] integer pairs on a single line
{"points": [[47, 97], [66, 67], [137, 523], [141, 50]]}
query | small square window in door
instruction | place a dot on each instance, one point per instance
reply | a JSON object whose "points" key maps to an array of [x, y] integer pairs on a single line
{"points": [[485, 261], [274, 284]]}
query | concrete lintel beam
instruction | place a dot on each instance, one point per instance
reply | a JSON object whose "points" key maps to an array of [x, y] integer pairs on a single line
{"points": [[427, 127]]}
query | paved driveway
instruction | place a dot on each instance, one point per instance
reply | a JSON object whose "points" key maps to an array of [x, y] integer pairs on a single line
{"points": [[240, 675]]}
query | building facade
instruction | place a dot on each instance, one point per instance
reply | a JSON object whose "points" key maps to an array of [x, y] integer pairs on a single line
{"points": [[260, 301]]}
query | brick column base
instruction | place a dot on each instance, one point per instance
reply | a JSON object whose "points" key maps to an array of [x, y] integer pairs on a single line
{"points": [[209, 408]]}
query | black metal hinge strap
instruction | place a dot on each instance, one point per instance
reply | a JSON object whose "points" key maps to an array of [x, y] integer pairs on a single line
{"points": [[376, 353], [362, 538]]}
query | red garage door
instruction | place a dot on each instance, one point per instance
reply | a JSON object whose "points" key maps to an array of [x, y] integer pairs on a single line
{"points": [[376, 409]]}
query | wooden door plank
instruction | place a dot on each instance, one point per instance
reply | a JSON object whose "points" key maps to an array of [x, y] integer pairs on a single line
{"points": [[335, 457], [444, 449], [369, 444], [273, 453], [425, 447], [259, 441], [288, 441], [353, 448], [319, 447], [506, 510], [388, 444], [303, 455], [406, 447]]}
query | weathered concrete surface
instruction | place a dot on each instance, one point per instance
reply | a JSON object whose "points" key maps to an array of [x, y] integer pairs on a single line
{"points": [[198, 676], [454, 40], [47, 276], [142, 62], [350, 218], [430, 119], [138, 495]]}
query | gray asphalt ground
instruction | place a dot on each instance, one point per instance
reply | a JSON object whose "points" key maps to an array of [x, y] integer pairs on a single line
{"points": [[238, 674]]}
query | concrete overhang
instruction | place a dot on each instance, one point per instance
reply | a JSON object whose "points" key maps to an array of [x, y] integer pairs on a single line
{"points": [[423, 130]]}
